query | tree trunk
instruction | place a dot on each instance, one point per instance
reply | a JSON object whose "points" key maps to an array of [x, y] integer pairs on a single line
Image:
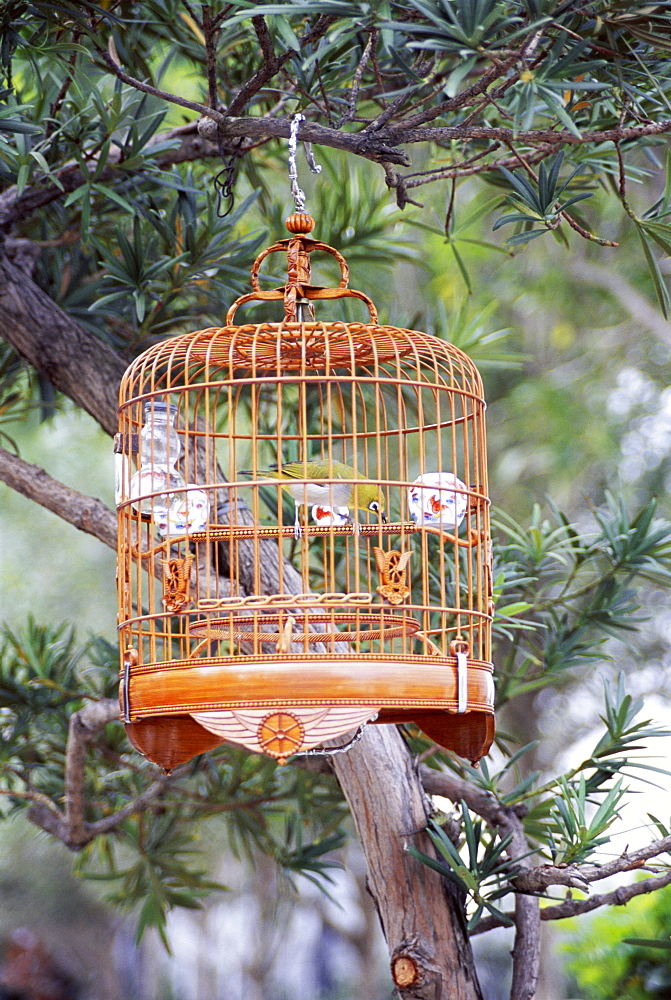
{"points": [[422, 918]]}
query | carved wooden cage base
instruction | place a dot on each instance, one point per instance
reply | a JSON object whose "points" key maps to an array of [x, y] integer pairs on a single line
{"points": [[303, 531]]}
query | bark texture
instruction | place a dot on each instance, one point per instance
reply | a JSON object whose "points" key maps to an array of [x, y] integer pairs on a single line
{"points": [[422, 920], [81, 366]]}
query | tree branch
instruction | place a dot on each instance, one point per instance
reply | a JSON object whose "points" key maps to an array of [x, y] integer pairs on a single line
{"points": [[189, 146], [382, 146], [370, 146], [142, 803], [578, 876], [83, 727], [495, 72], [85, 513], [534, 137], [575, 907], [526, 952], [72, 828], [536, 880], [271, 65], [211, 33], [618, 897], [72, 359], [164, 95], [198, 140], [356, 80]]}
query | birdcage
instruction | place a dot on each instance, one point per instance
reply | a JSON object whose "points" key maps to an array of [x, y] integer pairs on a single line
{"points": [[303, 531]]}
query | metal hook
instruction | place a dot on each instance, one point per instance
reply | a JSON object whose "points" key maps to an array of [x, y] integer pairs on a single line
{"points": [[296, 191]]}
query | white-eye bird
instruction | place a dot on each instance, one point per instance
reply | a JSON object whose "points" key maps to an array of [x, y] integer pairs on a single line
{"points": [[326, 484]]}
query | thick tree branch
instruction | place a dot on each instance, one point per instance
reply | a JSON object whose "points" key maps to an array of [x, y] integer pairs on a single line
{"points": [[84, 725], [200, 140], [86, 513], [74, 361], [83, 728], [381, 145], [71, 826], [370, 146]]}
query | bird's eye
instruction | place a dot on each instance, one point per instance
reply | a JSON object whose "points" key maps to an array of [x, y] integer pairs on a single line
{"points": [[374, 506]]}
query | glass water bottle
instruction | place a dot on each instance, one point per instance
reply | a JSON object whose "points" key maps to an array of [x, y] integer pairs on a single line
{"points": [[154, 483]]}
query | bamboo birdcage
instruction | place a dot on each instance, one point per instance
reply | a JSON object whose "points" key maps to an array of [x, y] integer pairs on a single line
{"points": [[238, 624]]}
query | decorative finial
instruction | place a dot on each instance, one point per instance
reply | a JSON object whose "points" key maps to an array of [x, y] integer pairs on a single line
{"points": [[300, 224]]}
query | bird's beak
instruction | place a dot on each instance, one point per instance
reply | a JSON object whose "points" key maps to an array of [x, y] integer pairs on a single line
{"points": [[385, 519]]}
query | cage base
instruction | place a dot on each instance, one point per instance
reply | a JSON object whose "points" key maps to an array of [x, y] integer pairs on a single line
{"points": [[406, 683], [171, 740]]}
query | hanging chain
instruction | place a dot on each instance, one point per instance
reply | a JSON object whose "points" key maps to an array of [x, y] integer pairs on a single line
{"points": [[296, 191]]}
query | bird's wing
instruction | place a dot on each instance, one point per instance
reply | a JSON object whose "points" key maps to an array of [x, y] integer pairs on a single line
{"points": [[318, 471], [315, 472], [292, 470], [342, 471]]}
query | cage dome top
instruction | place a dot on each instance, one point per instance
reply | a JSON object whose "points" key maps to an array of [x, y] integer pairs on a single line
{"points": [[303, 343]]}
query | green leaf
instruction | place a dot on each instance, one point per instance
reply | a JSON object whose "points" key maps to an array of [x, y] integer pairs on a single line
{"points": [[656, 275], [649, 943], [15, 125]]}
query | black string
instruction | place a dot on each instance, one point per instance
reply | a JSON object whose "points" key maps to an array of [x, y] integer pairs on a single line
{"points": [[224, 182]]}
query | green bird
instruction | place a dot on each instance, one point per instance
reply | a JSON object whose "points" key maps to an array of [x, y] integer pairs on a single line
{"points": [[322, 483]]}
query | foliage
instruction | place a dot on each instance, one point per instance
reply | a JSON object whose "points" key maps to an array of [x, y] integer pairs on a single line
{"points": [[542, 205], [546, 101], [580, 585], [605, 961], [561, 595], [567, 818], [153, 857], [483, 876]]}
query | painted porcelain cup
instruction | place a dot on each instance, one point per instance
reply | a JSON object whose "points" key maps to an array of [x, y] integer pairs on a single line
{"points": [[438, 499], [329, 516]]}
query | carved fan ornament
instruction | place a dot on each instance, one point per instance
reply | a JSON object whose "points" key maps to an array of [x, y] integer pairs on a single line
{"points": [[303, 531]]}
